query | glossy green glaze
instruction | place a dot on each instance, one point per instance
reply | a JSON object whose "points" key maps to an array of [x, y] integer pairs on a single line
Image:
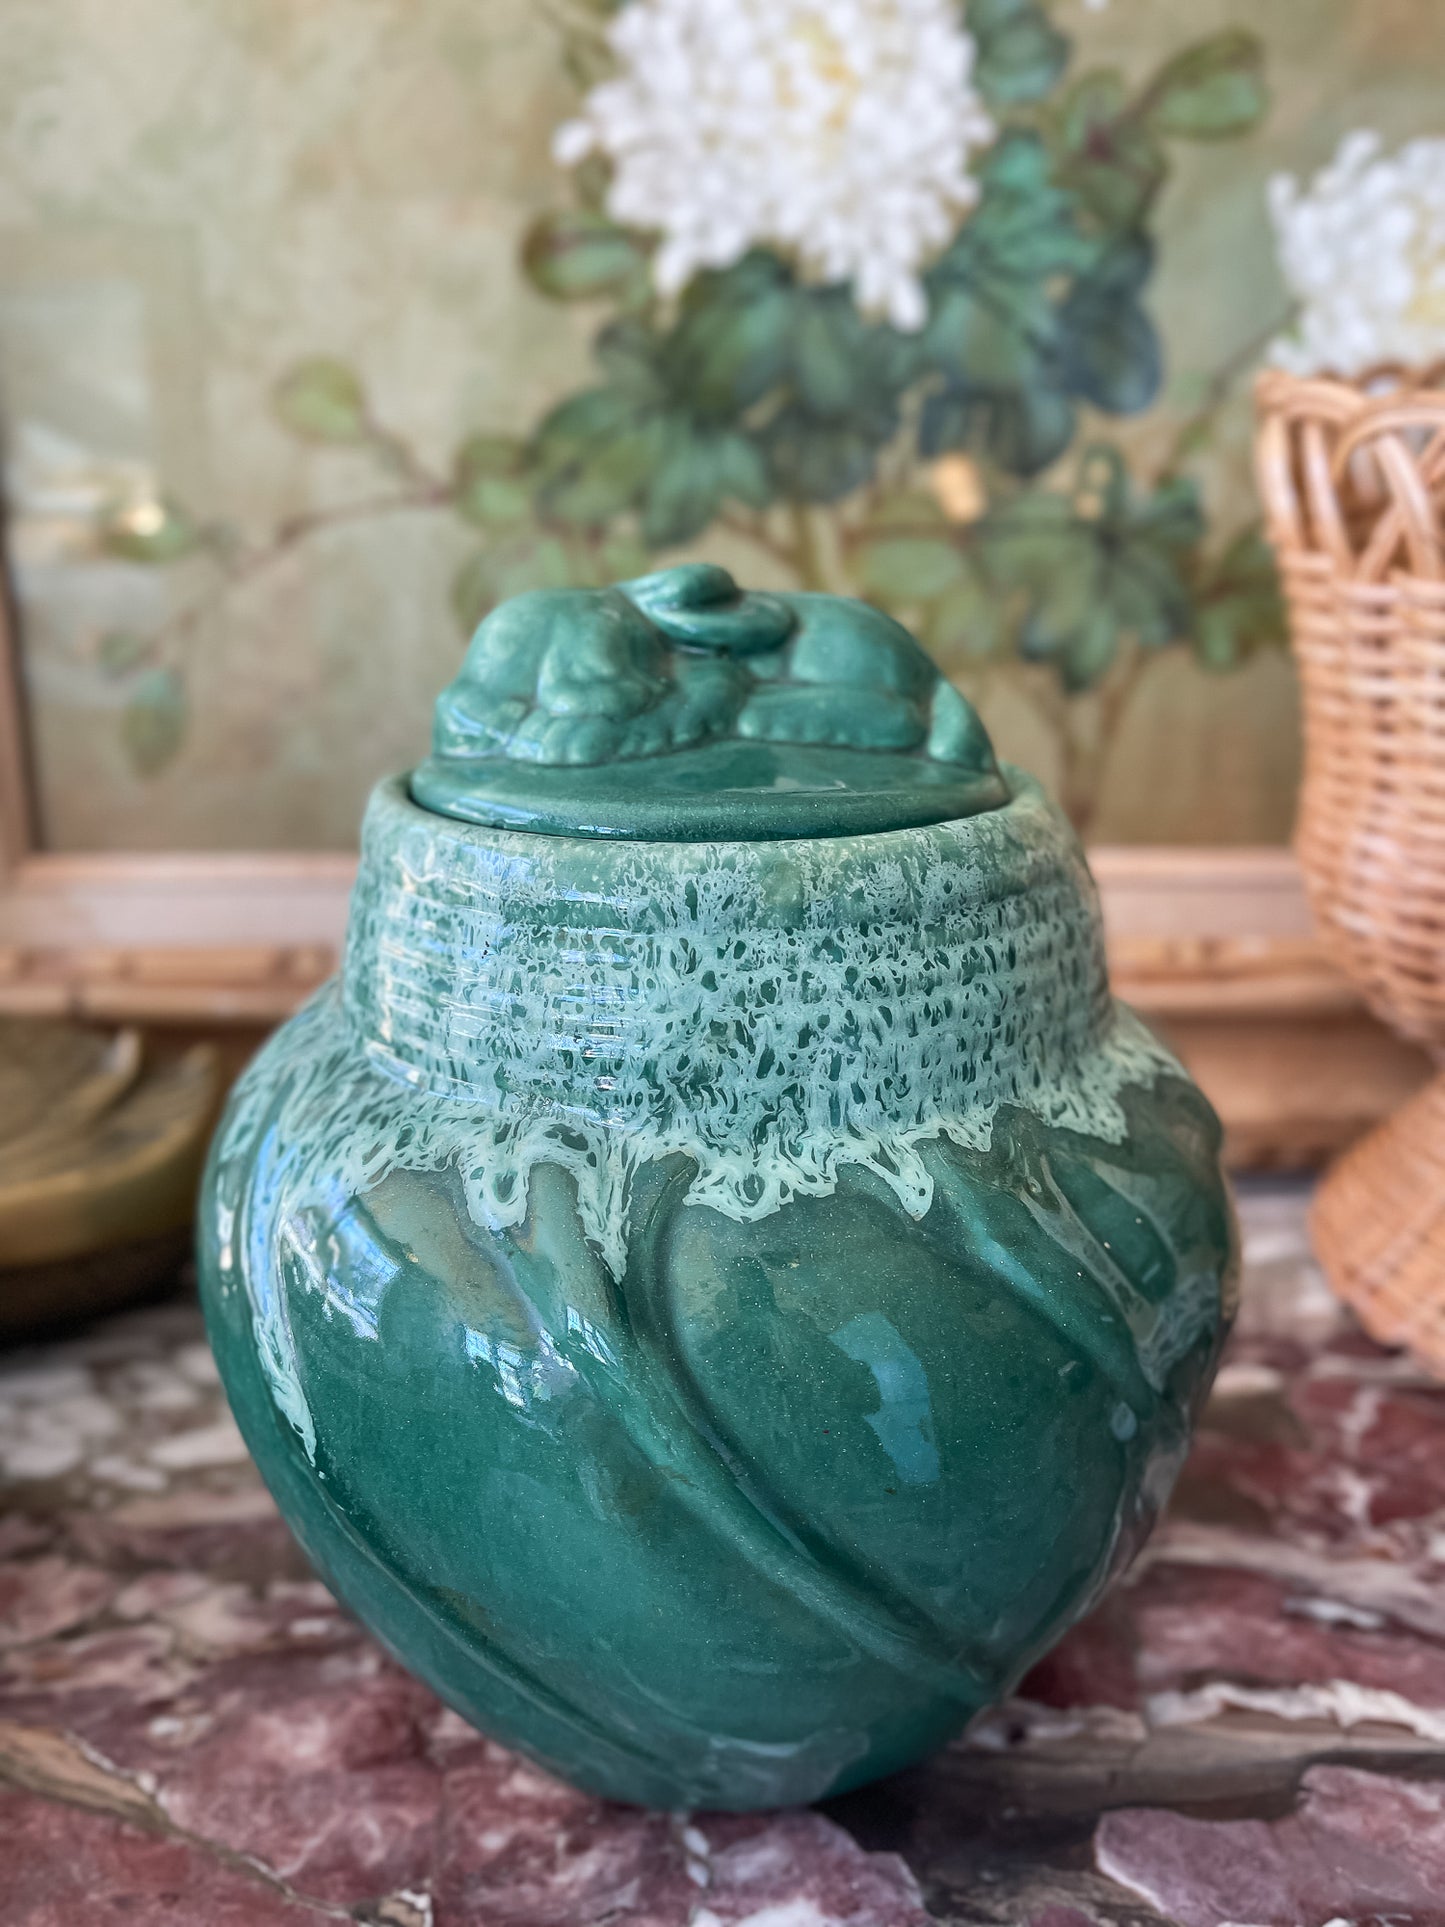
{"points": [[718, 1309], [680, 709]]}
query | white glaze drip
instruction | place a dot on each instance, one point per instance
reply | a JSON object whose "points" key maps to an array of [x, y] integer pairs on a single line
{"points": [[770, 1011]]}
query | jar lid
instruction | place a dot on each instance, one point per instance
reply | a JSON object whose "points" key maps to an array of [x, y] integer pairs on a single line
{"points": [[679, 708]]}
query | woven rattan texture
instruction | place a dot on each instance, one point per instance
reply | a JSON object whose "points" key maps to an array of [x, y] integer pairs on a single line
{"points": [[1379, 1227], [1354, 489], [1353, 480]]}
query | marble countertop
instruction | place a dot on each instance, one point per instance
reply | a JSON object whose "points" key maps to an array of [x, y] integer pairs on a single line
{"points": [[1252, 1730]]}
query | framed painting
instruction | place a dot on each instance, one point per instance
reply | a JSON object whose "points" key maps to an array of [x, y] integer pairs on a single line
{"points": [[322, 331]]}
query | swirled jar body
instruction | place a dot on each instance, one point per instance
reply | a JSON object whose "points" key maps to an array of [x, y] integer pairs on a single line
{"points": [[718, 1310]]}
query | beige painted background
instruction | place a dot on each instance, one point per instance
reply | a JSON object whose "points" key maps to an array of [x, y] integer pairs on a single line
{"points": [[196, 193]]}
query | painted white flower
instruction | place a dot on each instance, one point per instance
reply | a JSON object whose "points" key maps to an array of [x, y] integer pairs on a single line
{"points": [[1363, 251], [836, 130]]}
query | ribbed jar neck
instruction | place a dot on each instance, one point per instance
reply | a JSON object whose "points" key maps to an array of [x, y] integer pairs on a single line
{"points": [[944, 965], [768, 1012]]}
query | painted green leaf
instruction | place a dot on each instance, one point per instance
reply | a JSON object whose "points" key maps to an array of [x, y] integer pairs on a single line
{"points": [[1172, 517], [1057, 563], [657, 438], [682, 489], [489, 477], [842, 366], [802, 390], [1020, 52], [816, 459], [507, 568], [730, 344], [153, 531], [1114, 355], [1023, 228], [628, 352], [982, 336], [577, 253], [1239, 608], [1012, 355], [595, 453], [122, 650], [698, 470], [1109, 155], [1088, 653], [1095, 567], [1023, 429], [902, 569], [153, 725], [914, 561], [966, 625], [322, 400], [826, 354], [843, 407], [742, 470], [1212, 90]]}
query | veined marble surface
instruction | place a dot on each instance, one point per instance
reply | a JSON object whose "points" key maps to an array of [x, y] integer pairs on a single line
{"points": [[1252, 1730]]}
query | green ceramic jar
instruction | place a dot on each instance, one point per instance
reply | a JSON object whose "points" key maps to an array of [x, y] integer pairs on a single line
{"points": [[717, 1284]]}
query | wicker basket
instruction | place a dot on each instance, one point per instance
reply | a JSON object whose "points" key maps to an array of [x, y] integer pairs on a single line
{"points": [[1353, 479]]}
